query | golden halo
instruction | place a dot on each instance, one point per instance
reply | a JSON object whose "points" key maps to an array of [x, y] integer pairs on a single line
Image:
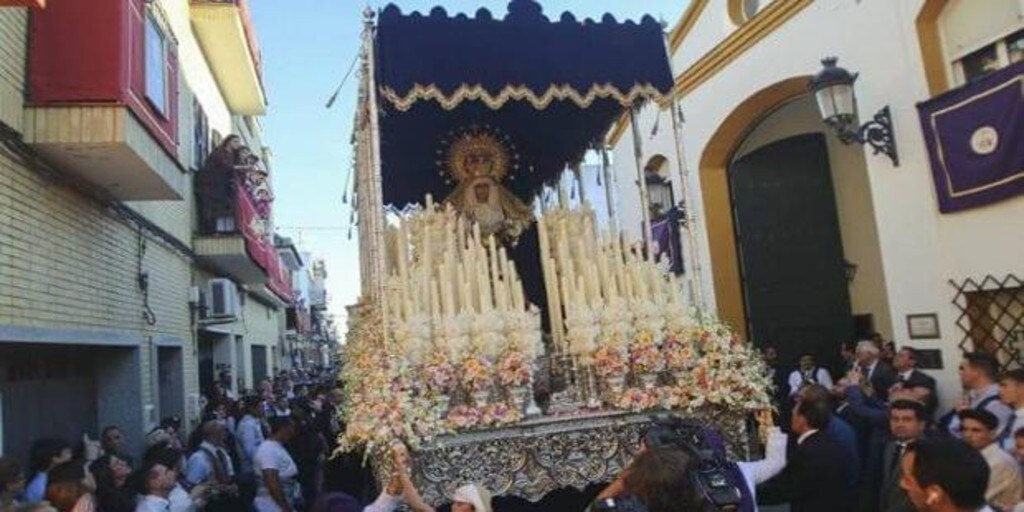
{"points": [[477, 153]]}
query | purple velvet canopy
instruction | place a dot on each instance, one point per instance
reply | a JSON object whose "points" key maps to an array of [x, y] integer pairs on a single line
{"points": [[553, 88]]}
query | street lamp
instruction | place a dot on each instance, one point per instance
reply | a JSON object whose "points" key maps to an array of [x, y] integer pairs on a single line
{"points": [[833, 90]]}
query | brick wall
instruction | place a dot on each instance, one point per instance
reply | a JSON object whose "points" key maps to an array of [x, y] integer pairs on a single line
{"points": [[67, 263], [13, 48]]}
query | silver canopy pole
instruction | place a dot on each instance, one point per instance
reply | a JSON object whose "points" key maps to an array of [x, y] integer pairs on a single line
{"points": [[641, 182]]}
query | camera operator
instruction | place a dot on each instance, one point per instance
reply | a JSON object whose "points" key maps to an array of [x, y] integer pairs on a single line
{"points": [[683, 466]]}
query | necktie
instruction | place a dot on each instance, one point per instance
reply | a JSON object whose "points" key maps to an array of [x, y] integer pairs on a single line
{"points": [[897, 455], [220, 465]]}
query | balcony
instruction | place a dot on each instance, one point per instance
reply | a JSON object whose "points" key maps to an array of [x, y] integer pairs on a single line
{"points": [[232, 236], [225, 33], [92, 110], [106, 146], [229, 238]]}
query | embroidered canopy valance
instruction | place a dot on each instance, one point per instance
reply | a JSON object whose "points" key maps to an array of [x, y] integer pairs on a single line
{"points": [[552, 87], [523, 57]]}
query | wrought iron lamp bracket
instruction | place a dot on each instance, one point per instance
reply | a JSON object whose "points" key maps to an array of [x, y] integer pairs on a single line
{"points": [[876, 133]]}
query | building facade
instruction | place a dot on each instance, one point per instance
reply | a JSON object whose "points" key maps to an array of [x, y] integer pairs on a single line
{"points": [[310, 337], [806, 241], [108, 111]]}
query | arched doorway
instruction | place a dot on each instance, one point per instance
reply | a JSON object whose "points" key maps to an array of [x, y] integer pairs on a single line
{"points": [[788, 208], [790, 248], [717, 200]]}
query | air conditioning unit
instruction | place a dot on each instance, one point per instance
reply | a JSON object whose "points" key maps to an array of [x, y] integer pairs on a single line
{"points": [[221, 299]]}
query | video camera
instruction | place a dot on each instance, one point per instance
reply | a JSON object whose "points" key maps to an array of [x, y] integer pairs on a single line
{"points": [[711, 475]]}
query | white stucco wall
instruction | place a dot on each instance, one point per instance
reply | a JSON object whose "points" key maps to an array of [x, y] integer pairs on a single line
{"points": [[920, 250]]}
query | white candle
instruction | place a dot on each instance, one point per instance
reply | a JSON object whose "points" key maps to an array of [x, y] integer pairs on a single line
{"points": [[493, 282], [517, 291], [435, 314]]}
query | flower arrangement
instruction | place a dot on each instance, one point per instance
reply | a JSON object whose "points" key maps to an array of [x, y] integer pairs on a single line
{"points": [[638, 400], [499, 414], [476, 373], [615, 325], [512, 370], [582, 330], [438, 373], [464, 417], [679, 354], [644, 354], [609, 362]]}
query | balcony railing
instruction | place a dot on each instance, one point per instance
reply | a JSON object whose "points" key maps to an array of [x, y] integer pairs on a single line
{"points": [[233, 232]]}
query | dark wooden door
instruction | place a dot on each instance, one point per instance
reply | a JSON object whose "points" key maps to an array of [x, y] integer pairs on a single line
{"points": [[259, 365], [790, 250]]}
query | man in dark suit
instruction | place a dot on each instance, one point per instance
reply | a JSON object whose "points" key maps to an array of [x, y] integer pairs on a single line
{"points": [[877, 372], [815, 478], [908, 376], [907, 422]]}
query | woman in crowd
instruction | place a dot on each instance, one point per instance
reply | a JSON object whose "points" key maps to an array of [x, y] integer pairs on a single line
{"points": [[70, 487], [12, 483], [276, 470], [111, 473], [44, 455], [658, 478]]}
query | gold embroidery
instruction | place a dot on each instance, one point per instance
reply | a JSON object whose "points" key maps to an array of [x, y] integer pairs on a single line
{"points": [[519, 93]]}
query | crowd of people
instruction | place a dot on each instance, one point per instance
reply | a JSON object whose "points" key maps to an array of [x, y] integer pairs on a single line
{"points": [[870, 440], [265, 450], [852, 433]]}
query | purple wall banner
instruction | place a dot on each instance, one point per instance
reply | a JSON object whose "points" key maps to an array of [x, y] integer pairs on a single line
{"points": [[974, 137]]}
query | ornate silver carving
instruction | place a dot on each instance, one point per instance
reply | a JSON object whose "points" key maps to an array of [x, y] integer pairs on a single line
{"points": [[536, 457]]}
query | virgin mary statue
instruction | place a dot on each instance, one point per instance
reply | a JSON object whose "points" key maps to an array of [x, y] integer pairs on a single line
{"points": [[479, 161]]}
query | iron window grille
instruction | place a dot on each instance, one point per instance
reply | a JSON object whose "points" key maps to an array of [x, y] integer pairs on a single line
{"points": [[991, 317]]}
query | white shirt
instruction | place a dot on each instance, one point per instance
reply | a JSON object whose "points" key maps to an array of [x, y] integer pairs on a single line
{"points": [[871, 370], [180, 501], [774, 462], [803, 437], [976, 397], [1005, 485], [271, 455], [151, 503], [1008, 442], [384, 503], [796, 379], [249, 435], [199, 467]]}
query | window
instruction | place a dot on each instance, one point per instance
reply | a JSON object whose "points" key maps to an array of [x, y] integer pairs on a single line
{"points": [[979, 63], [742, 11], [977, 41], [750, 8], [1002, 53], [1015, 47], [991, 317], [156, 66], [200, 135]]}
